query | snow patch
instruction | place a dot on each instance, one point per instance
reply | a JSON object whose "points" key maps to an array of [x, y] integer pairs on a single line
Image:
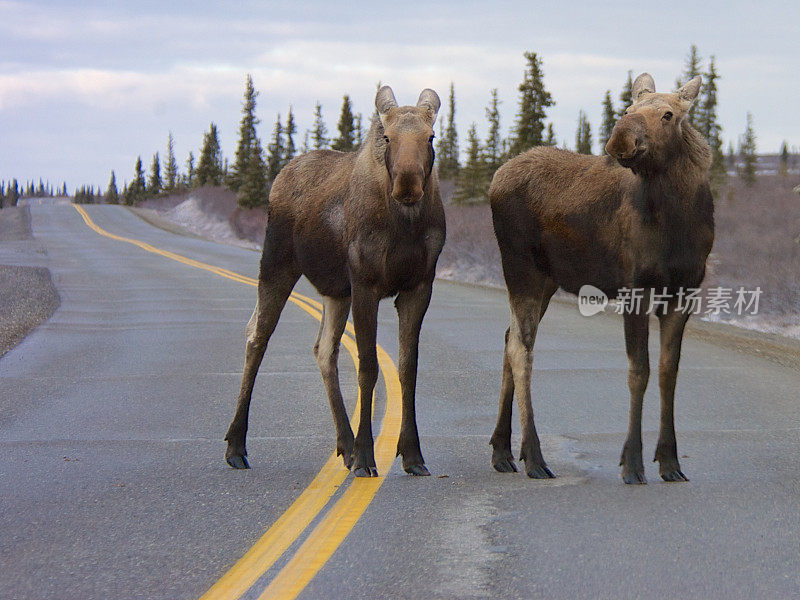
{"points": [[189, 214]]}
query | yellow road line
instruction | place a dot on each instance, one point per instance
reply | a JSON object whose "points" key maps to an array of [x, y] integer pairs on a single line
{"points": [[328, 535]]}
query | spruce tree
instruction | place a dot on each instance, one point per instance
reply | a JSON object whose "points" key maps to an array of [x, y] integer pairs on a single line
{"points": [[471, 183], [189, 179], [346, 141], [2, 194], [550, 139], [137, 190], [359, 130], [171, 167], [533, 102], [209, 167], [493, 148], [13, 193], [708, 126], [275, 151], [583, 136], [305, 148], [253, 190], [318, 131], [784, 164], [154, 183], [730, 157], [112, 194], [447, 144], [747, 153], [609, 120], [691, 69], [290, 130], [626, 96], [247, 136]]}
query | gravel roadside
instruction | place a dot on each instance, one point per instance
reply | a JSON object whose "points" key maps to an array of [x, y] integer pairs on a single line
{"points": [[27, 294]]}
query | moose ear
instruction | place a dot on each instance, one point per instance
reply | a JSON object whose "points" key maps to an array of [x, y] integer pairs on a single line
{"points": [[690, 91], [384, 100], [644, 84], [430, 100]]}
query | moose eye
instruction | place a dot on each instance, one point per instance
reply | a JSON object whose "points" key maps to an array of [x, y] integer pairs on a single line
{"points": [[430, 140], [386, 139], [667, 116]]}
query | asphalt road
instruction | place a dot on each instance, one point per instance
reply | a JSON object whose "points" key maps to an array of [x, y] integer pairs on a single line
{"points": [[113, 482]]}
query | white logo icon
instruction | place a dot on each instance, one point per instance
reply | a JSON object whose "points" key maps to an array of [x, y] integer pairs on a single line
{"points": [[591, 300]]}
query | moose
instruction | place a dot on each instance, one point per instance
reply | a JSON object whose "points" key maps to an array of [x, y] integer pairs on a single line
{"points": [[361, 226], [641, 217]]}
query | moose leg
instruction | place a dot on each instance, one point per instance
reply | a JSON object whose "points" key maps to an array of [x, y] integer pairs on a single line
{"points": [[272, 297], [672, 324], [411, 309], [365, 320], [326, 351], [525, 313], [502, 457], [636, 333]]}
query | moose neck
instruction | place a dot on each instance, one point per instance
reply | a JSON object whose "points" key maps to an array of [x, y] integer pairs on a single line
{"points": [[679, 174]]}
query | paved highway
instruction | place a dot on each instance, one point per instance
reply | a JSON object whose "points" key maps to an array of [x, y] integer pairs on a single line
{"points": [[113, 482]]}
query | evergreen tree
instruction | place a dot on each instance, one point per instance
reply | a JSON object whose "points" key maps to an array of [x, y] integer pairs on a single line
{"points": [[730, 157], [346, 141], [691, 69], [136, 191], [64, 190], [13, 192], [171, 167], [290, 151], [493, 148], [275, 151], [247, 136], [534, 100], [112, 194], [609, 120], [154, 183], [447, 146], [583, 137], [626, 96], [305, 148], [359, 130], [253, 190], [209, 167], [784, 168], [550, 139], [471, 183], [709, 127], [747, 153], [2, 193], [319, 132], [189, 180]]}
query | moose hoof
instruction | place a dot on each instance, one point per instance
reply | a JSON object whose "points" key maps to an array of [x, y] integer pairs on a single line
{"points": [[634, 478], [505, 465], [366, 472], [419, 470], [674, 476], [238, 461], [539, 472]]}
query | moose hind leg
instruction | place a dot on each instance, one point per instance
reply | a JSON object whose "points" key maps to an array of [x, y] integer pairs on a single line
{"points": [[272, 297], [672, 325], [411, 308], [502, 457], [326, 351], [636, 334], [525, 314]]}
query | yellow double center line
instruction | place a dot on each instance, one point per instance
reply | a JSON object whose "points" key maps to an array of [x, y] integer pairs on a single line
{"points": [[340, 519]]}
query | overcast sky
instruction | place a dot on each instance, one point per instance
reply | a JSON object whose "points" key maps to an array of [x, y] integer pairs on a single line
{"points": [[87, 87]]}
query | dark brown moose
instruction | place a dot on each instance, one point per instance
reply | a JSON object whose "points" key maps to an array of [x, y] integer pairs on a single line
{"points": [[641, 217], [361, 226]]}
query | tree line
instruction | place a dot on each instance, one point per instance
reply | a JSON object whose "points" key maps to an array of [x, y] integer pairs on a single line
{"points": [[254, 167], [11, 191]]}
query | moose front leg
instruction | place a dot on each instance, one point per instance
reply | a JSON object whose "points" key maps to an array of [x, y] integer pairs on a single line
{"points": [[411, 309], [365, 320], [636, 333], [672, 325]]}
